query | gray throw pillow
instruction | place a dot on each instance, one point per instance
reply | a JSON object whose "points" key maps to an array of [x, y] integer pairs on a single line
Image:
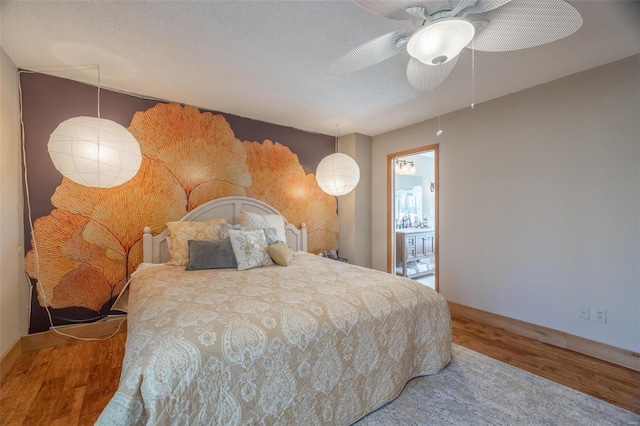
{"points": [[212, 254]]}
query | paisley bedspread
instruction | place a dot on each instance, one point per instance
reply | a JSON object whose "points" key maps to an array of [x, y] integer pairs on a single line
{"points": [[317, 342]]}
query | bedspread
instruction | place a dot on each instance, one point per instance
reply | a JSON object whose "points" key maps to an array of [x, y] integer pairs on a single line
{"points": [[317, 342]]}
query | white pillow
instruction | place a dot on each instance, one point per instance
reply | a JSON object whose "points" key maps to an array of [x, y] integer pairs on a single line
{"points": [[255, 221], [250, 249]]}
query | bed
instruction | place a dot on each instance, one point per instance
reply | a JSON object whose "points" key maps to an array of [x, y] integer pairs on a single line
{"points": [[314, 342]]}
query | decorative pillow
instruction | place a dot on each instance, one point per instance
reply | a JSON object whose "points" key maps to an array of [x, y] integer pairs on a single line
{"points": [[255, 221], [271, 235], [280, 253], [214, 254], [250, 249], [181, 232], [224, 230]]}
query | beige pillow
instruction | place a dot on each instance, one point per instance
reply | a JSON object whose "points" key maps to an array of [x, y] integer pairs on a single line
{"points": [[181, 232], [280, 253]]}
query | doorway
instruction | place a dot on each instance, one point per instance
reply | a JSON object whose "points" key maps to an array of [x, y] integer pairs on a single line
{"points": [[412, 214]]}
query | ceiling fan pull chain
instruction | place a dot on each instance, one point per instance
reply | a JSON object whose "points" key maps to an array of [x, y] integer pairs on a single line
{"points": [[439, 132], [473, 74]]}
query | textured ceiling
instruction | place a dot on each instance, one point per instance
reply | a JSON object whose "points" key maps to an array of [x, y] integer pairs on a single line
{"points": [[267, 60]]}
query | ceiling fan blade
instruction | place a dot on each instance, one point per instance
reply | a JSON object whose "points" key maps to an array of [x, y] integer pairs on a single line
{"points": [[371, 52], [425, 77], [526, 23], [482, 5], [397, 9]]}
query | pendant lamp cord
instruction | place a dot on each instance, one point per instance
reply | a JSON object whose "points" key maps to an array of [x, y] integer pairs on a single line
{"points": [[98, 67], [27, 194]]}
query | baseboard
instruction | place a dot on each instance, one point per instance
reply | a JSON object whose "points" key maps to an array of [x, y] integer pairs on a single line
{"points": [[46, 339], [96, 330], [612, 354], [10, 357]]}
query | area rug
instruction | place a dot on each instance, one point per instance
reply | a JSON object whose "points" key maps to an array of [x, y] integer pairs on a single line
{"points": [[477, 390]]}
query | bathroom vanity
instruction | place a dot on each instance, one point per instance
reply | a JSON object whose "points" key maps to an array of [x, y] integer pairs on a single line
{"points": [[415, 252]]}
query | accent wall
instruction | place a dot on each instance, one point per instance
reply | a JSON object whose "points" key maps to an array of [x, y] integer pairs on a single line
{"points": [[87, 241]]}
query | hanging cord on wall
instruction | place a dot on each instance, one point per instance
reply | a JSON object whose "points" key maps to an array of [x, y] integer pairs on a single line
{"points": [[31, 228]]}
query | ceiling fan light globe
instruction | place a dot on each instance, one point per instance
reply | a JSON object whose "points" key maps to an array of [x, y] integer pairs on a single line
{"points": [[440, 41]]}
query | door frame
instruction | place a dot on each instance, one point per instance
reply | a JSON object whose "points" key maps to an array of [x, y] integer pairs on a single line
{"points": [[391, 199]]}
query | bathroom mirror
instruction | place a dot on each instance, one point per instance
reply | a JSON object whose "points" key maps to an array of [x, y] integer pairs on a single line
{"points": [[409, 207]]}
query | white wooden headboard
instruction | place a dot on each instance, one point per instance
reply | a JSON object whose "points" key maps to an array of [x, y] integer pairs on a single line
{"points": [[154, 247]]}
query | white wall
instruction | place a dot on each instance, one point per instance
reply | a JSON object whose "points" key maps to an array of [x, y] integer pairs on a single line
{"points": [[539, 202], [13, 286], [353, 209]]}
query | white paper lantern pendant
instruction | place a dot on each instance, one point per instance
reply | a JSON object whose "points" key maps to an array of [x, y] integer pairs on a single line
{"points": [[338, 174], [94, 152]]}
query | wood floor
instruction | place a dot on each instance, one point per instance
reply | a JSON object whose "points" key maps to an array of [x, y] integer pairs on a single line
{"points": [[62, 386], [617, 385], [70, 385]]}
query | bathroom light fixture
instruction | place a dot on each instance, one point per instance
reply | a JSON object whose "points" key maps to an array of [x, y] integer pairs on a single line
{"points": [[93, 151], [404, 167], [440, 41]]}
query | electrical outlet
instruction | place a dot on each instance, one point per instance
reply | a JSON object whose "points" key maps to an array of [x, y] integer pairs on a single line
{"points": [[583, 312], [600, 315]]}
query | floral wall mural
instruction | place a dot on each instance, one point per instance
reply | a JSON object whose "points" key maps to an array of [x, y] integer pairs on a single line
{"points": [[88, 243]]}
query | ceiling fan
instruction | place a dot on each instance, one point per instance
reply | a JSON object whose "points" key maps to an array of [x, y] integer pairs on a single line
{"points": [[446, 27]]}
